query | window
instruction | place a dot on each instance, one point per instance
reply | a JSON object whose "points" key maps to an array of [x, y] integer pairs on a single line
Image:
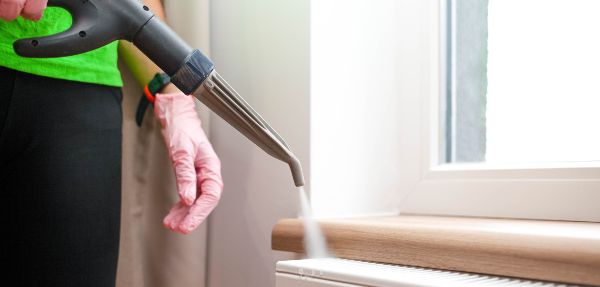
{"points": [[510, 127], [380, 73], [522, 81]]}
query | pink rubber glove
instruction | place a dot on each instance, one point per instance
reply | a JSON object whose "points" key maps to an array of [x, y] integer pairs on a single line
{"points": [[197, 167], [30, 9]]}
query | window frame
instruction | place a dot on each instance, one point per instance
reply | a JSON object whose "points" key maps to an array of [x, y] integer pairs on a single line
{"points": [[552, 191]]}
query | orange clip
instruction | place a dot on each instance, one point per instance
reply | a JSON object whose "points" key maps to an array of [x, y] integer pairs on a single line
{"points": [[151, 98]]}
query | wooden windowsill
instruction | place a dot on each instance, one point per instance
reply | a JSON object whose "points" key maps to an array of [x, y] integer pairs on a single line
{"points": [[544, 250]]}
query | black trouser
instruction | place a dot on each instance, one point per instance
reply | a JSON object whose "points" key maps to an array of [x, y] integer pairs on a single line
{"points": [[60, 180]]}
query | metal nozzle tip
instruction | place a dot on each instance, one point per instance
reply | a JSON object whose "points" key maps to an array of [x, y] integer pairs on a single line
{"points": [[297, 172]]}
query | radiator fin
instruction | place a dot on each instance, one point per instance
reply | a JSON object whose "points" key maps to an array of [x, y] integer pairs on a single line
{"points": [[387, 275]]}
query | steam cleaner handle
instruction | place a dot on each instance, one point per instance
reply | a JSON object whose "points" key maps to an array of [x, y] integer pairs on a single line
{"points": [[99, 22]]}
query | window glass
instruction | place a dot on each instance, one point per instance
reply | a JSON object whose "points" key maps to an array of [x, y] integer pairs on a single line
{"points": [[522, 81]]}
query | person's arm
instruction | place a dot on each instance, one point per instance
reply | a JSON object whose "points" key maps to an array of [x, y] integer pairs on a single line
{"points": [[196, 165], [142, 68]]}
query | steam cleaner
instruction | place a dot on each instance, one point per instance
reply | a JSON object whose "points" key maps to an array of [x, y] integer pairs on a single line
{"points": [[100, 22]]}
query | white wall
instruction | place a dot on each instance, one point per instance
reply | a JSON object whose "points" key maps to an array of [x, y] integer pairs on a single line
{"points": [[261, 48], [366, 65], [375, 90]]}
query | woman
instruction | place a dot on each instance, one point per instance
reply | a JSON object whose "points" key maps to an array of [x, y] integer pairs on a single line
{"points": [[60, 153]]}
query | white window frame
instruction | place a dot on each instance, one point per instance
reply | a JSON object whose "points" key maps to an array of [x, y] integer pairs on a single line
{"points": [[553, 191]]}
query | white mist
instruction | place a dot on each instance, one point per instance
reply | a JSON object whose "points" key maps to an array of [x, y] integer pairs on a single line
{"points": [[314, 241]]}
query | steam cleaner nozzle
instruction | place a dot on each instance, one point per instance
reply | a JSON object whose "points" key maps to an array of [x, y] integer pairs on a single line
{"points": [[100, 22]]}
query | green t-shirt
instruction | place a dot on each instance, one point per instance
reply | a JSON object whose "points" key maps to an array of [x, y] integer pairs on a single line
{"points": [[98, 66]]}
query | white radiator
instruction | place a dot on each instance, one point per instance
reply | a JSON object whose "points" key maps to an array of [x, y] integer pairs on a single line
{"points": [[331, 272]]}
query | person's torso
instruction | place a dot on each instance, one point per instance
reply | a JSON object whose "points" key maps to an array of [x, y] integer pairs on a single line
{"points": [[98, 66]]}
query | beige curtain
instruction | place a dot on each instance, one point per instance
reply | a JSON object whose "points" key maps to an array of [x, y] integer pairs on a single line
{"points": [[150, 255]]}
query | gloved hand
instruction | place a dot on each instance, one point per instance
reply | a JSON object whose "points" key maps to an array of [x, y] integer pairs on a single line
{"points": [[197, 167], [30, 9]]}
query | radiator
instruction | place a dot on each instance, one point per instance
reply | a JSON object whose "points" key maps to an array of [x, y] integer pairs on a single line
{"points": [[330, 272]]}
